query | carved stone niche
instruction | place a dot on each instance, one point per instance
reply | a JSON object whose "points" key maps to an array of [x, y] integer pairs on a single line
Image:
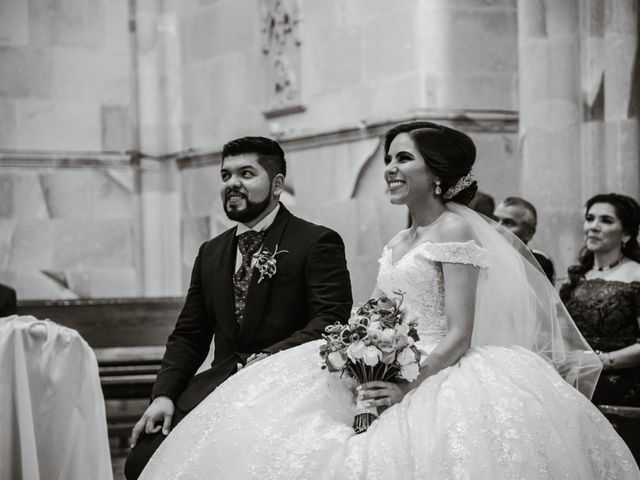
{"points": [[281, 46]]}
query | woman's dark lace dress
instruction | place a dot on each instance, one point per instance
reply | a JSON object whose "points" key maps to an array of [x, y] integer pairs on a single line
{"points": [[606, 312]]}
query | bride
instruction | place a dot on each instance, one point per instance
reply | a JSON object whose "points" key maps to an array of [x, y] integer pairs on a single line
{"points": [[490, 401]]}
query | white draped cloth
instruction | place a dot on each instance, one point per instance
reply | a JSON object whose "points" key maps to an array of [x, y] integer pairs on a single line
{"points": [[52, 414]]}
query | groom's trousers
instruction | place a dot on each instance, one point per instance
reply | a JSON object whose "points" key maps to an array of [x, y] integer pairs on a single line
{"points": [[145, 448]]}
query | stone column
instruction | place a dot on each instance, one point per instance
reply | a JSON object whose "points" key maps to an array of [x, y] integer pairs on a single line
{"points": [[579, 84], [592, 60], [157, 75], [550, 122], [621, 88]]}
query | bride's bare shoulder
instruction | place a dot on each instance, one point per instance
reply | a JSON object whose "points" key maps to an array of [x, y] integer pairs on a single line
{"points": [[454, 228]]}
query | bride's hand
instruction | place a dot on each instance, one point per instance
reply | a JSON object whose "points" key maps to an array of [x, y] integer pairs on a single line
{"points": [[381, 394]]}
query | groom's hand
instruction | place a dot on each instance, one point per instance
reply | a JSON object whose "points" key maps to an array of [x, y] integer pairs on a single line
{"points": [[157, 415], [255, 357]]}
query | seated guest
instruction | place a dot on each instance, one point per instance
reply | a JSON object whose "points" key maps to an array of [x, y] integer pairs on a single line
{"points": [[7, 301], [520, 216], [483, 203], [603, 297]]}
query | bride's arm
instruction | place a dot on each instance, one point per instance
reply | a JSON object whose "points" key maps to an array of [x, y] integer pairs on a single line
{"points": [[460, 282]]}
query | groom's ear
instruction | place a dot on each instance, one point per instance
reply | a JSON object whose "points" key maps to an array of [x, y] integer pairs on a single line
{"points": [[277, 184]]}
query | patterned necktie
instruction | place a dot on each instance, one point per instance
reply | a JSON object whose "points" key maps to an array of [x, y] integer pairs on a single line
{"points": [[248, 243]]}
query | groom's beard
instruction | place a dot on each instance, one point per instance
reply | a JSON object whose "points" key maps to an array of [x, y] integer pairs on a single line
{"points": [[251, 210]]}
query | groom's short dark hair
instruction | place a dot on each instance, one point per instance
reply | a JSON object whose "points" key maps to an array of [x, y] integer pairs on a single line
{"points": [[269, 152]]}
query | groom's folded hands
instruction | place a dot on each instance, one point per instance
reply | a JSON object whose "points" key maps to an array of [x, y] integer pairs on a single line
{"points": [[157, 415]]}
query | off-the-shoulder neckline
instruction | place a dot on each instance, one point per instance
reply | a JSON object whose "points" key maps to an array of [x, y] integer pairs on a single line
{"points": [[389, 250]]}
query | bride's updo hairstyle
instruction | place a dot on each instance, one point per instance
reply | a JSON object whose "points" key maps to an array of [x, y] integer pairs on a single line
{"points": [[449, 154]]}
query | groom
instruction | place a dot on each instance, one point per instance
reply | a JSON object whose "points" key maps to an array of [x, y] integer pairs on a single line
{"points": [[270, 283]]}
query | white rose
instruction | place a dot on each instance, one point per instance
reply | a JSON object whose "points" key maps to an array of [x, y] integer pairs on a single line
{"points": [[336, 360], [388, 335], [388, 358], [402, 329], [356, 350], [410, 372], [406, 357], [372, 356]]}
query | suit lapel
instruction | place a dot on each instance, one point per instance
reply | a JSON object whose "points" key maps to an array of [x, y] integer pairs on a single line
{"points": [[258, 292], [223, 284]]}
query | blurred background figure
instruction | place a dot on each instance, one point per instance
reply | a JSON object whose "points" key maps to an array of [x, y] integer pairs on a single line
{"points": [[7, 301], [483, 203], [521, 217], [603, 297]]}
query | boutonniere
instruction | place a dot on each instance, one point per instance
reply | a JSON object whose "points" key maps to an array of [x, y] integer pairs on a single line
{"points": [[266, 262]]}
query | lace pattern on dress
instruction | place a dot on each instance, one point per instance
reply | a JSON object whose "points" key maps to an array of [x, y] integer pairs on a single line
{"points": [[419, 274], [456, 252]]}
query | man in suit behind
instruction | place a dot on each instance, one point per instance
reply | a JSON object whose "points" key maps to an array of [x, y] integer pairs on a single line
{"points": [[520, 216], [250, 306]]}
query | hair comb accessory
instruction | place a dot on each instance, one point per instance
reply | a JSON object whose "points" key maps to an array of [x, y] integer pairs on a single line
{"points": [[460, 185]]}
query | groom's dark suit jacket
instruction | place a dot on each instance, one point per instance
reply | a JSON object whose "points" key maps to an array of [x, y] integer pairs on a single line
{"points": [[310, 290]]}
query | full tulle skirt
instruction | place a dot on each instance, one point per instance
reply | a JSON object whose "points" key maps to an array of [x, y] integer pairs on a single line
{"points": [[498, 413]]}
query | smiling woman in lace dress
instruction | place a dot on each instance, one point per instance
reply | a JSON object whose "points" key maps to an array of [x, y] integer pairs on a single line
{"points": [[603, 297], [504, 380]]}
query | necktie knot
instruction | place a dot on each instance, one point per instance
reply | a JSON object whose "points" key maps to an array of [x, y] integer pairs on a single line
{"points": [[249, 242]]}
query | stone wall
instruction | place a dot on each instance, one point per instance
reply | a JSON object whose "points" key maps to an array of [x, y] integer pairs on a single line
{"points": [[68, 202], [64, 75], [69, 232], [326, 79], [346, 64]]}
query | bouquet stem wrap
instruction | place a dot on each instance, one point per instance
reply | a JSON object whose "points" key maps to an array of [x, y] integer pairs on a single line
{"points": [[365, 415]]}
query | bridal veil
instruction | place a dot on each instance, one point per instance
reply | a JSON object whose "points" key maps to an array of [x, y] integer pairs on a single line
{"points": [[517, 305]]}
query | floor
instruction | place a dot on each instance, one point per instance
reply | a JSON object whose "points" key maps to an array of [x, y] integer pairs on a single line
{"points": [[117, 463]]}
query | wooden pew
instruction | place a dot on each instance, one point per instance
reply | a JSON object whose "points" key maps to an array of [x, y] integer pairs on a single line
{"points": [[128, 336]]}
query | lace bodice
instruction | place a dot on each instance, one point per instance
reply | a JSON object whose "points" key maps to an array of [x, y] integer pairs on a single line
{"points": [[419, 275]]}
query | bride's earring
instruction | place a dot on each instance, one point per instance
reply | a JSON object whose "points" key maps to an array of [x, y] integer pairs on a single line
{"points": [[438, 190]]}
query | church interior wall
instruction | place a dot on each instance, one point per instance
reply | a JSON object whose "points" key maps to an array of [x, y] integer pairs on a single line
{"points": [[68, 201], [110, 136]]}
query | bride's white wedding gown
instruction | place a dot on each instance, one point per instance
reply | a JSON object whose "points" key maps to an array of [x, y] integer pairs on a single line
{"points": [[498, 413]]}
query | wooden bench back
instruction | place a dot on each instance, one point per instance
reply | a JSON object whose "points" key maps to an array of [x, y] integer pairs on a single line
{"points": [[111, 322]]}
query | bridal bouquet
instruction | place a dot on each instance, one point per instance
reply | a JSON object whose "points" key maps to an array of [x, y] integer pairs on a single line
{"points": [[376, 344]]}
